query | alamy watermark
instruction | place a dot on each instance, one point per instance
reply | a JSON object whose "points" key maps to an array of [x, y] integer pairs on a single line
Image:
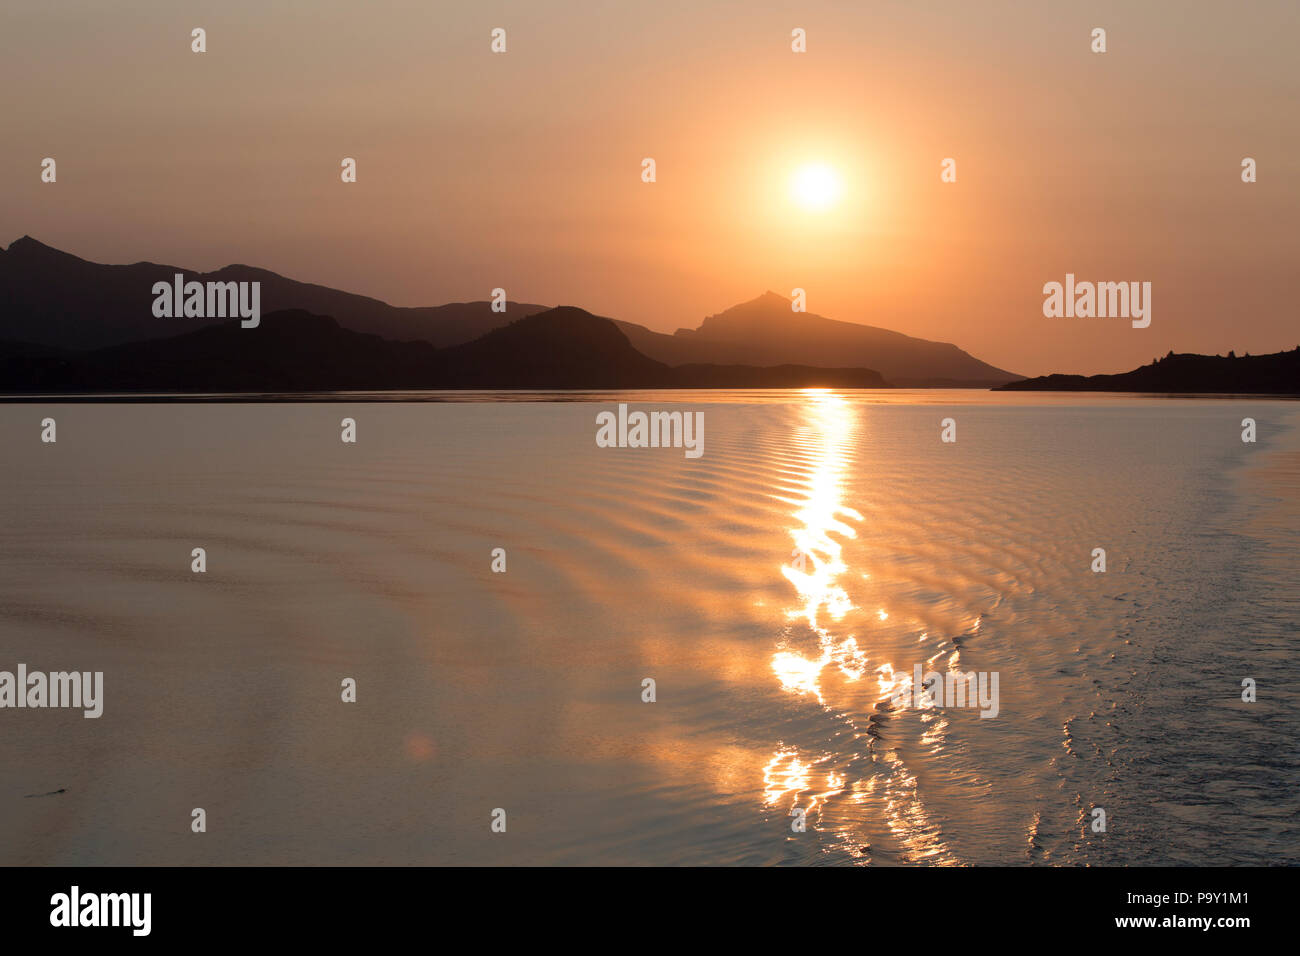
{"points": [[35, 689], [950, 689], [199, 300], [75, 908], [651, 430], [1086, 300]]}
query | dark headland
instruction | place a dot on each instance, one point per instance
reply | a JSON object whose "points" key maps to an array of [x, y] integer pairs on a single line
{"points": [[1274, 374]]}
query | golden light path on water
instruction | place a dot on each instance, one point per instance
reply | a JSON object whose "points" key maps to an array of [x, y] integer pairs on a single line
{"points": [[817, 559], [886, 790]]}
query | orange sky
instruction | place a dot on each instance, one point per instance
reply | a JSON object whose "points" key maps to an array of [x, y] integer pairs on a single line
{"points": [[522, 170]]}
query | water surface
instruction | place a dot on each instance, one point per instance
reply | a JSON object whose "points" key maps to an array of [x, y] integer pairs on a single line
{"points": [[522, 690]]}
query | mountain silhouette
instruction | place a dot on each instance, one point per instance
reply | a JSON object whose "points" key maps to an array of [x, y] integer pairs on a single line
{"points": [[49, 297], [289, 351], [562, 347], [1274, 374], [765, 331], [568, 347], [295, 351], [55, 299], [70, 325]]}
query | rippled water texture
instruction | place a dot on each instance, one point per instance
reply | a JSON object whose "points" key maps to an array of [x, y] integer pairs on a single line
{"points": [[780, 590]]}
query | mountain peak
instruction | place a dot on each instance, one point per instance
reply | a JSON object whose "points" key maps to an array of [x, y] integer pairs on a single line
{"points": [[766, 302], [767, 309], [566, 319], [564, 347], [29, 248], [766, 331], [26, 242]]}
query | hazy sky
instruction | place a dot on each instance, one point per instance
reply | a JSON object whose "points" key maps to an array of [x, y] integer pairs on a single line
{"points": [[523, 169]]}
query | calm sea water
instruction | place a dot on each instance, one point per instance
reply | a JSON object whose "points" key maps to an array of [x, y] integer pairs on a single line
{"points": [[523, 690]]}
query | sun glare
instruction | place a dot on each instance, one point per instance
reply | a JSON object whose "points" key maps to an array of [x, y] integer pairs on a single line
{"points": [[816, 186]]}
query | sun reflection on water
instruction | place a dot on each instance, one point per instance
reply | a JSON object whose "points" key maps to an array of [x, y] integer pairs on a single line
{"points": [[818, 559], [853, 777]]}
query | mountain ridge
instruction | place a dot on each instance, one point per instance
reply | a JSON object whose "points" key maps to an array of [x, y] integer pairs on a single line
{"points": [[53, 298], [298, 351]]}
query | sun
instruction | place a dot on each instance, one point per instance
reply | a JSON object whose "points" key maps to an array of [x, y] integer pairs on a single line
{"points": [[816, 186]]}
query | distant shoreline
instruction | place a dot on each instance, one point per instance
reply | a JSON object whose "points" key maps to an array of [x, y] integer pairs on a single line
{"points": [[1277, 373]]}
